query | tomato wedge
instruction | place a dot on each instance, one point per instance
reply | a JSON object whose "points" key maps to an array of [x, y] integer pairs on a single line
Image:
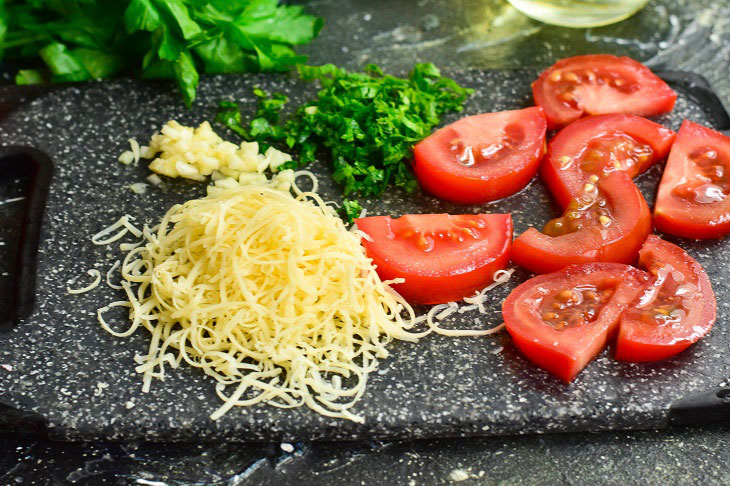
{"points": [[599, 84], [597, 145], [693, 201], [442, 257], [676, 309], [562, 320], [483, 157], [608, 223]]}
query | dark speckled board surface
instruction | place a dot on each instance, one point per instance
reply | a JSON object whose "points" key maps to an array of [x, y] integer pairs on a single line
{"points": [[55, 364]]}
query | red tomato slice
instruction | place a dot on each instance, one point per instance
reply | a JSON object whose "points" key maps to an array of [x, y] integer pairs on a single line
{"points": [[599, 84], [481, 158], [562, 320], [676, 309], [693, 201], [608, 223], [597, 145], [442, 257]]}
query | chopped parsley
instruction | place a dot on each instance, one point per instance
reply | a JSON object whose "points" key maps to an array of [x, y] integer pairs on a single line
{"points": [[350, 210], [367, 122]]}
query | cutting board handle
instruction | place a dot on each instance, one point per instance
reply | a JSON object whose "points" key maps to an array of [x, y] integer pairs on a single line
{"points": [[702, 408], [37, 167]]}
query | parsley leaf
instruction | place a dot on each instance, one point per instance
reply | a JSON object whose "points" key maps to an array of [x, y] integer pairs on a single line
{"points": [[350, 210], [368, 122], [170, 39]]}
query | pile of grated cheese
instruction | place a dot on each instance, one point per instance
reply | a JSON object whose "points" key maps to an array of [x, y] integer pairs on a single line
{"points": [[269, 294]]}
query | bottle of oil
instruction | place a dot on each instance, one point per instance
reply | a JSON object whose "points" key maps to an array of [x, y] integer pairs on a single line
{"points": [[578, 13]]}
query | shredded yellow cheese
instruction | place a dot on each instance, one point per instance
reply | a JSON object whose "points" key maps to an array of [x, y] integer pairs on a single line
{"points": [[94, 284], [268, 293], [122, 225]]}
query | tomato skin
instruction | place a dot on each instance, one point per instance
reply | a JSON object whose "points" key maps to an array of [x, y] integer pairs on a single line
{"points": [[677, 215], [640, 341], [439, 172], [566, 182], [641, 92], [449, 272], [620, 242], [564, 353]]}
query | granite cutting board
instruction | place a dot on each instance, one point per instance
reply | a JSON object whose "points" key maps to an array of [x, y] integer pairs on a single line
{"points": [[54, 365]]}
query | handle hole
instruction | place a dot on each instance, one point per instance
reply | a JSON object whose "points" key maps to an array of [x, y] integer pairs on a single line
{"points": [[13, 186], [724, 394]]}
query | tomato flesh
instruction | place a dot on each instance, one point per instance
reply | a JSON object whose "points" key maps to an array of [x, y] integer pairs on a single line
{"points": [[483, 157], [592, 147], [608, 223], [599, 84], [674, 310], [562, 320], [692, 201], [442, 257]]}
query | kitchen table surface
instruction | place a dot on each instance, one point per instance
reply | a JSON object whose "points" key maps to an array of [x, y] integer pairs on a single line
{"points": [[668, 35]]}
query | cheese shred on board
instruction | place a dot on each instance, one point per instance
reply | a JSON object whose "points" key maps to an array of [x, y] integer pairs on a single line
{"points": [[268, 293]]}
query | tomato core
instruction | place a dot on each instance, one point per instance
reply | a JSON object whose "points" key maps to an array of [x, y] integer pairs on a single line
{"points": [[667, 301], [709, 183], [443, 230], [615, 151], [474, 156], [568, 84], [575, 306], [590, 209]]}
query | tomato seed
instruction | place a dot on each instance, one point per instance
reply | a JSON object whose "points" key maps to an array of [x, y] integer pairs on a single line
{"points": [[566, 295], [571, 76]]}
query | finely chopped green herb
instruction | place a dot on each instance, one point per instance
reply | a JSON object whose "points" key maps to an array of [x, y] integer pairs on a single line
{"points": [[350, 210], [368, 122], [78, 40]]}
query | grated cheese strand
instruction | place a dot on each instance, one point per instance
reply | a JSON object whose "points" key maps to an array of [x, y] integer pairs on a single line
{"points": [[96, 275], [443, 311], [109, 276], [124, 227]]}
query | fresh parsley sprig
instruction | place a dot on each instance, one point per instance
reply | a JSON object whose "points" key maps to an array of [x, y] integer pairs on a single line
{"points": [[77, 40]]}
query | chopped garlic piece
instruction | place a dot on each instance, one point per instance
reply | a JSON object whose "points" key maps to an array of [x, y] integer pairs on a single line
{"points": [[126, 158], [180, 151], [138, 187]]}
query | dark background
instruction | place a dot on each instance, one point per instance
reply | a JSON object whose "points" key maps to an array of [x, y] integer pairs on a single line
{"points": [[684, 35]]}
